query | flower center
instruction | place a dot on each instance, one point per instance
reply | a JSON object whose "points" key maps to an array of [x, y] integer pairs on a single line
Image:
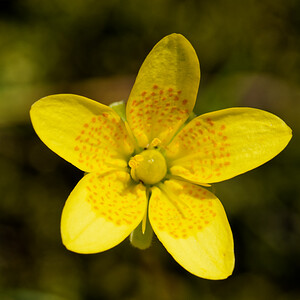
{"points": [[149, 167]]}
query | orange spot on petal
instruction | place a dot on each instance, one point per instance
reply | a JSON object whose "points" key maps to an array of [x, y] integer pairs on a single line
{"points": [[210, 122]]}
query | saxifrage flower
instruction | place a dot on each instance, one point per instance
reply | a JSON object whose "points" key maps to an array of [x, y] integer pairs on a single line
{"points": [[148, 168]]}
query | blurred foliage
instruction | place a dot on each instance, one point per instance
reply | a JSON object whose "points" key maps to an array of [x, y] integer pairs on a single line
{"points": [[249, 53]]}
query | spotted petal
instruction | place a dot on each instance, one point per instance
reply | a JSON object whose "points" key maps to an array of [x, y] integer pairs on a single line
{"points": [[101, 212], [84, 132], [223, 144], [192, 225], [165, 90]]}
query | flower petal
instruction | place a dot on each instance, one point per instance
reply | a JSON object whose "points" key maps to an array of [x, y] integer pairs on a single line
{"points": [[165, 90], [192, 225], [223, 144], [84, 132], [101, 212]]}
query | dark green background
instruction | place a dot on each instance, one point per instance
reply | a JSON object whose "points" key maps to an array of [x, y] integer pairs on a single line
{"points": [[249, 53]]}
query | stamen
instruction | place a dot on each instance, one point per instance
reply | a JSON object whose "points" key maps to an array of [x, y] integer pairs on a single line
{"points": [[155, 142], [135, 161], [133, 164]]}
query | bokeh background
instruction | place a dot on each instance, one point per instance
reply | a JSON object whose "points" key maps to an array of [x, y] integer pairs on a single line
{"points": [[249, 53]]}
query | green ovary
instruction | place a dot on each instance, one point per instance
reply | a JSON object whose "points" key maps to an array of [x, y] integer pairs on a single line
{"points": [[149, 167]]}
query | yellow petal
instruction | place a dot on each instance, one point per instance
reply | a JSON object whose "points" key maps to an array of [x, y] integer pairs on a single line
{"points": [[192, 225], [223, 144], [84, 132], [101, 212], [165, 90]]}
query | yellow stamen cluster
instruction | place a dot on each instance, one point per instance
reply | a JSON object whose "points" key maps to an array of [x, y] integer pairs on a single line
{"points": [[149, 167]]}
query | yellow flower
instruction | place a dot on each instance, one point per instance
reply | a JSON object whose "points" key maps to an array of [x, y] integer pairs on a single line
{"points": [[150, 166]]}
